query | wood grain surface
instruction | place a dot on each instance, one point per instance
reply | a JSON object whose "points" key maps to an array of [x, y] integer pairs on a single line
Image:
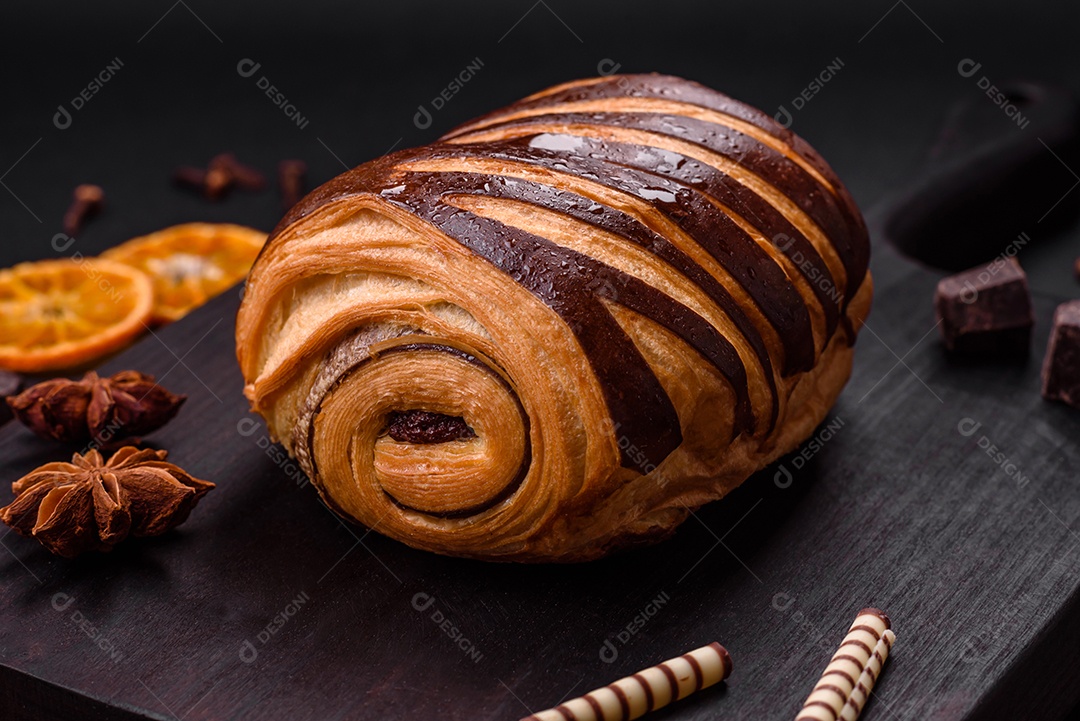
{"points": [[265, 606]]}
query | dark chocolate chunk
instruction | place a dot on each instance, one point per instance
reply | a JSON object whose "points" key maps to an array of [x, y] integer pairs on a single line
{"points": [[417, 426], [10, 385], [986, 310], [1061, 367]]}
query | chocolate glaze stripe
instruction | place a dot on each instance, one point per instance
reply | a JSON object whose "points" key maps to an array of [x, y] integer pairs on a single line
{"points": [[743, 259], [614, 222], [632, 696], [726, 190], [634, 396], [662, 87], [669, 87], [738, 147], [625, 104], [820, 279], [842, 224]]}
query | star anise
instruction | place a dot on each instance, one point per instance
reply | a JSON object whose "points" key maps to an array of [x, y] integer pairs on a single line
{"points": [[91, 505], [104, 410]]}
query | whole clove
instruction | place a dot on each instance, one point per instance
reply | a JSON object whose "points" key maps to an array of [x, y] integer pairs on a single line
{"points": [[292, 176], [88, 202], [223, 173], [190, 178], [243, 176]]}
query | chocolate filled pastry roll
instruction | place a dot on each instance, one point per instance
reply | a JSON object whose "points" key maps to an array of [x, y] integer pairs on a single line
{"points": [[563, 326]]}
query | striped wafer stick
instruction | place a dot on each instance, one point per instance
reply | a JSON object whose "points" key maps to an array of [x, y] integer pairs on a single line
{"points": [[848, 679], [655, 687]]}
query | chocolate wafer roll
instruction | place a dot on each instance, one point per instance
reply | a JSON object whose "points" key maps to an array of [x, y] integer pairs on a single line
{"points": [[847, 681], [563, 326], [655, 687]]}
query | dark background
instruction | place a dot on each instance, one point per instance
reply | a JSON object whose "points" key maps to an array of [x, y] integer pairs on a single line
{"points": [[359, 71]]}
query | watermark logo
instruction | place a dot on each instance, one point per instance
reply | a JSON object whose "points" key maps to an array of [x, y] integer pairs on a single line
{"points": [[967, 68], [783, 602], [62, 119], [423, 117], [61, 602], [607, 66], [783, 477], [249, 427], [636, 456], [786, 117], [968, 427], [609, 651], [977, 649], [970, 293], [61, 242], [104, 436], [247, 68], [631, 452], [249, 652], [423, 602], [807, 267]]}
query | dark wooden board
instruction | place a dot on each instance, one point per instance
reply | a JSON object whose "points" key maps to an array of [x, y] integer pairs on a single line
{"points": [[266, 606], [898, 509]]}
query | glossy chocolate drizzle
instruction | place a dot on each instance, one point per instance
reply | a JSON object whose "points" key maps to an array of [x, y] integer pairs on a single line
{"points": [[714, 231], [833, 217], [683, 190], [720, 186], [670, 88]]}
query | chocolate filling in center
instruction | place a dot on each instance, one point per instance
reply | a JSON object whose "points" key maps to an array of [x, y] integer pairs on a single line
{"points": [[418, 426]]}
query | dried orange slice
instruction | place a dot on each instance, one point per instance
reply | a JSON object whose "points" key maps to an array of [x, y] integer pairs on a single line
{"points": [[58, 314], [190, 263]]}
